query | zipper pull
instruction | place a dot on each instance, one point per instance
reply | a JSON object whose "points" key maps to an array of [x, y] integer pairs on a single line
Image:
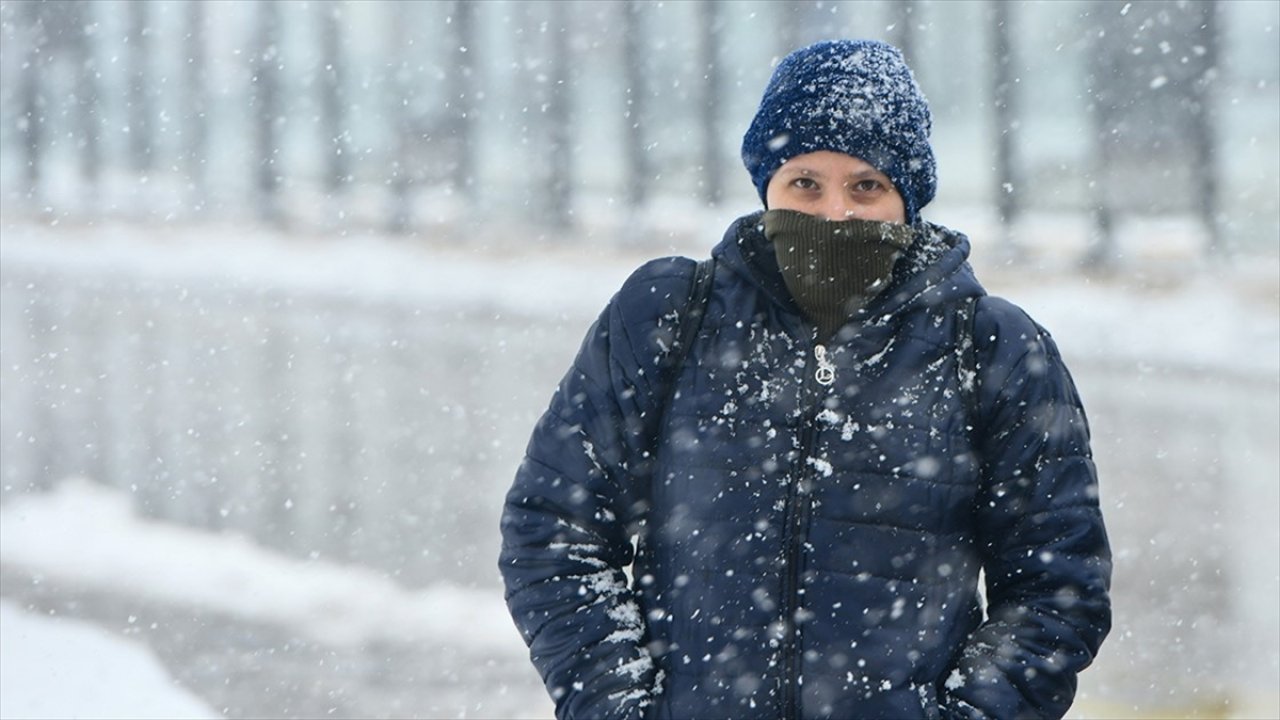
{"points": [[826, 373]]}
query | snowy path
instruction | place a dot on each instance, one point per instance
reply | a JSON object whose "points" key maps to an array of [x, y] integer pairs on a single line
{"points": [[251, 632]]}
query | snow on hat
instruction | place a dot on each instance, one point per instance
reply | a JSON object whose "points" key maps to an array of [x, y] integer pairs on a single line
{"points": [[857, 97]]}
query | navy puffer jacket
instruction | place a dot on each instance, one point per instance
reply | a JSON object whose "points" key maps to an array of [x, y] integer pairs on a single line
{"points": [[810, 550]]}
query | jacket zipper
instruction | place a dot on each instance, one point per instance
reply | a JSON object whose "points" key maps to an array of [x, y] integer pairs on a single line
{"points": [[796, 518]]}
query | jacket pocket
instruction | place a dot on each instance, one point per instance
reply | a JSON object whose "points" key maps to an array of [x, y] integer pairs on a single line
{"points": [[661, 707], [929, 702]]}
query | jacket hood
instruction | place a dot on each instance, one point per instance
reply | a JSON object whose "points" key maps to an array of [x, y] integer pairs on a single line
{"points": [[934, 271]]}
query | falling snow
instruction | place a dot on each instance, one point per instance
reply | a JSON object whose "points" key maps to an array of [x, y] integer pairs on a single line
{"points": [[270, 283]]}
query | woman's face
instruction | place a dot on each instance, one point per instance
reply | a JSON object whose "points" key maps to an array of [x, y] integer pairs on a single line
{"points": [[834, 186]]}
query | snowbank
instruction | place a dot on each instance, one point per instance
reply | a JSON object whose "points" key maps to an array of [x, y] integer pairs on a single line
{"points": [[63, 669], [87, 536]]}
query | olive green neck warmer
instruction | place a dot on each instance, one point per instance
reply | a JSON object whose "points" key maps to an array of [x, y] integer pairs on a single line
{"points": [[833, 268]]}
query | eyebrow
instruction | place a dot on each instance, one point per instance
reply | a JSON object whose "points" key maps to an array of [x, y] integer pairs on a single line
{"points": [[856, 175]]}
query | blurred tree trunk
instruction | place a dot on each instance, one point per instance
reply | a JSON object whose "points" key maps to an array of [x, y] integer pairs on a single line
{"points": [[462, 99], [634, 50], [86, 95], [1206, 170], [400, 118], [788, 27], [529, 93], [1151, 76], [559, 119], [31, 99], [1008, 187], [332, 105], [1104, 93], [903, 35], [267, 101], [711, 19], [196, 98], [800, 24], [139, 94]]}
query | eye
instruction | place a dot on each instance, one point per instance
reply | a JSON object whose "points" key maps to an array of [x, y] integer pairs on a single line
{"points": [[868, 185], [804, 183]]}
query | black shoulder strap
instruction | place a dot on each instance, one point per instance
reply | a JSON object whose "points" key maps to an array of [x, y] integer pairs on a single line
{"points": [[689, 323], [967, 357]]}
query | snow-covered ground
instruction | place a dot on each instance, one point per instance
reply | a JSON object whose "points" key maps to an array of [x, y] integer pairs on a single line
{"points": [[61, 669], [86, 534], [1178, 361], [87, 537]]}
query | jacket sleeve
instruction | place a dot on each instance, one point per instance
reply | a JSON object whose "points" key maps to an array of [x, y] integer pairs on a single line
{"points": [[570, 515], [1044, 547]]}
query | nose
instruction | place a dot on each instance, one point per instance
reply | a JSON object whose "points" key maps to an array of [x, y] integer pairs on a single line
{"points": [[838, 207]]}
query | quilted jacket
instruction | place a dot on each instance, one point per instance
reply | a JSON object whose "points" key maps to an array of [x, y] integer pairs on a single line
{"points": [[802, 536]]}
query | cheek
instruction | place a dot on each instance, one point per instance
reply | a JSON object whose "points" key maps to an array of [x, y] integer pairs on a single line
{"points": [[772, 195], [777, 198], [890, 209]]}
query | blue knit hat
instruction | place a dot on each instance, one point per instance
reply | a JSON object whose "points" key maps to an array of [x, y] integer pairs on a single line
{"points": [[857, 97]]}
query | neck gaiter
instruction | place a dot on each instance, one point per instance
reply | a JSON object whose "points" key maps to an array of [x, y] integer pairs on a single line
{"points": [[833, 268]]}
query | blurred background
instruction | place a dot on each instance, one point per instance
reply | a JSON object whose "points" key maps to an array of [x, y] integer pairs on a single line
{"points": [[285, 285]]}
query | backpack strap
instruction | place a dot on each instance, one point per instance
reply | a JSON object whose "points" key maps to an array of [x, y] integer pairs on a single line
{"points": [[967, 361], [689, 323]]}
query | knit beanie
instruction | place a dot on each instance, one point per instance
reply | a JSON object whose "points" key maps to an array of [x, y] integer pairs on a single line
{"points": [[856, 97]]}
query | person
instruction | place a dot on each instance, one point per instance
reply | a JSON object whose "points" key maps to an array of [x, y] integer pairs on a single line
{"points": [[792, 519]]}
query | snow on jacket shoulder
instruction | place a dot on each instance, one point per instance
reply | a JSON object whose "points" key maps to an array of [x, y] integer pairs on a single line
{"points": [[808, 548]]}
